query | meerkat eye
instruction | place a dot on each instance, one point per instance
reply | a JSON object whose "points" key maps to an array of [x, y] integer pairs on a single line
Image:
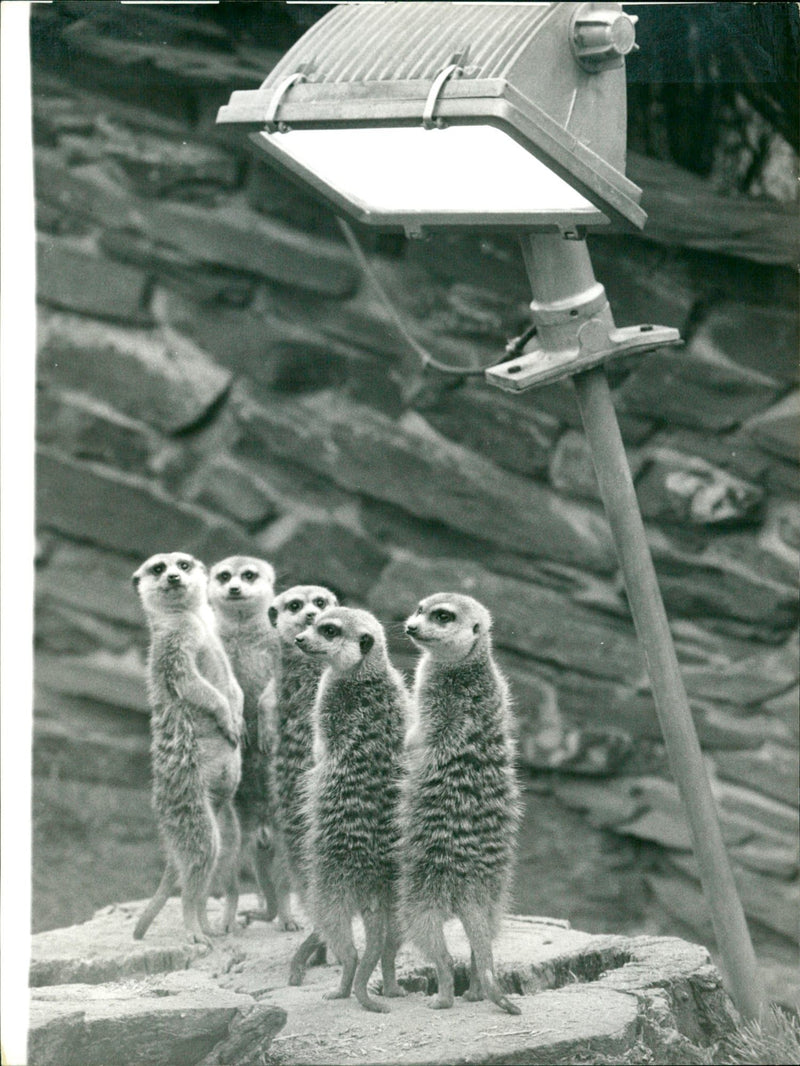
{"points": [[295, 606], [320, 602], [223, 577], [184, 564], [442, 616], [329, 631], [159, 568], [249, 575]]}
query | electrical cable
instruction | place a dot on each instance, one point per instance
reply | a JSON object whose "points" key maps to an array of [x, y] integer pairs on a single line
{"points": [[425, 356]]}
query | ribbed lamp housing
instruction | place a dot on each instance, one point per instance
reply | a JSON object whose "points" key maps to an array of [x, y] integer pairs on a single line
{"points": [[373, 64]]}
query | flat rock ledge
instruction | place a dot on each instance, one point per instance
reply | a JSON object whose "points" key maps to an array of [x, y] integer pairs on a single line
{"points": [[99, 998]]}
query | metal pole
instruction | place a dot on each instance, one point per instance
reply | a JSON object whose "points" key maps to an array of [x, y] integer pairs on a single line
{"points": [[672, 705], [565, 298]]}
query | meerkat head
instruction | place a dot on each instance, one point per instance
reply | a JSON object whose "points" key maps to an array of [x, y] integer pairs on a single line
{"points": [[241, 586], [449, 626], [345, 639], [294, 610], [171, 582]]}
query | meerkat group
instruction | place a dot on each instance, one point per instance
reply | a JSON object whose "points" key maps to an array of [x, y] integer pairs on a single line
{"points": [[282, 733]]}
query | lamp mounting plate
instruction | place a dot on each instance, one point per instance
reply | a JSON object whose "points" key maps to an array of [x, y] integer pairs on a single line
{"points": [[596, 344]]}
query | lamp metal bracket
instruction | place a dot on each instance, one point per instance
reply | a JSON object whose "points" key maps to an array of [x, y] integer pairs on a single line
{"points": [[281, 89], [454, 67], [597, 344]]}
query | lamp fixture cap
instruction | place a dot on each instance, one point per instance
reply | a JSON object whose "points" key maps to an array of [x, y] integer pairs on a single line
{"points": [[601, 35]]}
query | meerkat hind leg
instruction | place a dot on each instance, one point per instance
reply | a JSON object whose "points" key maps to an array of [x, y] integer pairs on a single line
{"points": [[375, 931], [167, 885], [434, 946], [262, 856], [474, 993], [196, 871], [228, 863], [339, 934], [394, 938], [476, 925]]}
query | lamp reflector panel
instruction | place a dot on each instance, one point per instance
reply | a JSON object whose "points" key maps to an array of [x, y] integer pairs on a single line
{"points": [[433, 176]]}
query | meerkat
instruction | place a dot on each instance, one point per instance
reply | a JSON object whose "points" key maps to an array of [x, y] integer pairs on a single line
{"points": [[196, 726], [240, 591], [296, 689], [360, 717], [460, 806]]}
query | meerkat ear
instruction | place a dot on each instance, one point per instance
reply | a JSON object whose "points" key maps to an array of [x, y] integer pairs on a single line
{"points": [[366, 642], [135, 579], [272, 612], [476, 628]]}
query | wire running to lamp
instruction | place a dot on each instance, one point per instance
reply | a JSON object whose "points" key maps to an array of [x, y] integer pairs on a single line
{"points": [[425, 356]]}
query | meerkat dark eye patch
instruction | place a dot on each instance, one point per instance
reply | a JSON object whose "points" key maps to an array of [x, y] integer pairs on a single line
{"points": [[249, 575], [330, 631], [365, 643], [295, 606], [272, 613], [320, 602], [159, 568], [443, 616], [184, 564], [223, 577]]}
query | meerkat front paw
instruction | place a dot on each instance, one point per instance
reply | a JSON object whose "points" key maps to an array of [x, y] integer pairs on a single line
{"points": [[232, 738]]}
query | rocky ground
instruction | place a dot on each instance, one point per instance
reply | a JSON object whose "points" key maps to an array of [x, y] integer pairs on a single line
{"points": [[99, 998]]}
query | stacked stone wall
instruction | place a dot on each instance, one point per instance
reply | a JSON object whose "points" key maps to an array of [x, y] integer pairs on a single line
{"points": [[215, 375]]}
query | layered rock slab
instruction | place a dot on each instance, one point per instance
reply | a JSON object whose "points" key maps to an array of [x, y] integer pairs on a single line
{"points": [[95, 989]]}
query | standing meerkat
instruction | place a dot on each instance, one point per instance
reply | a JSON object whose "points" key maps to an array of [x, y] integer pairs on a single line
{"points": [[460, 808], [196, 725], [240, 591], [353, 789], [296, 689]]}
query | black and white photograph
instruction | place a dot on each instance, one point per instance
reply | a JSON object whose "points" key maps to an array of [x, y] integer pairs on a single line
{"points": [[400, 530]]}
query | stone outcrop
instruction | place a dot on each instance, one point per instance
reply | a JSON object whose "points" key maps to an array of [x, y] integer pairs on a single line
{"points": [[216, 376], [99, 997]]}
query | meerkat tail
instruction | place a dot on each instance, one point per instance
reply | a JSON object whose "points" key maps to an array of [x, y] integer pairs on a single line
{"points": [[312, 944], [168, 884]]}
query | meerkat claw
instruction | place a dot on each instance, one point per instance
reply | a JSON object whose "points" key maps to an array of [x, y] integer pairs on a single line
{"points": [[472, 996], [394, 992], [374, 1005], [437, 1003]]}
